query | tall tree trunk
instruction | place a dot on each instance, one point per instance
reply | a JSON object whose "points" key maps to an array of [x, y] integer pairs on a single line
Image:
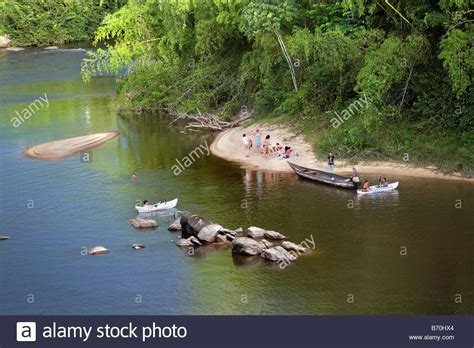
{"points": [[287, 57]]}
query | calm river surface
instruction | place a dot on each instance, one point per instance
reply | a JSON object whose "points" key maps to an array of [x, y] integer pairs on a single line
{"points": [[75, 205]]}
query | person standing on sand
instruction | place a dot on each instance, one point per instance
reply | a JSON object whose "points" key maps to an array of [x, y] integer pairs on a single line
{"points": [[266, 145], [246, 143], [331, 163], [258, 140]]}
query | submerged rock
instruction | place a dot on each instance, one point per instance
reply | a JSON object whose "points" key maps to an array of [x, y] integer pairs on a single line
{"points": [[246, 246], [175, 225], [277, 254], [295, 247], [4, 237], [274, 235], [51, 48], [98, 250], [143, 223], [188, 242], [255, 232], [137, 246]]}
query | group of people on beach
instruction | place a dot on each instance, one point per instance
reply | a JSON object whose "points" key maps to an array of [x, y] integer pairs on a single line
{"points": [[266, 148]]}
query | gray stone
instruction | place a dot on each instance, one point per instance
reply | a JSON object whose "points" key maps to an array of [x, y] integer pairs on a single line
{"points": [[295, 247], [188, 242], [175, 226], [208, 233], [246, 246], [274, 235], [266, 244], [4, 237], [143, 223], [98, 250], [255, 232], [277, 254]]}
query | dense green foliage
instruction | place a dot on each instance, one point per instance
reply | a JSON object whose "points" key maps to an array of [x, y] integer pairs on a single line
{"points": [[304, 61], [43, 22]]}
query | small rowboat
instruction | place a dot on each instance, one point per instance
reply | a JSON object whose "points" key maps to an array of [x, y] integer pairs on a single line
{"points": [[379, 189], [157, 206], [324, 177]]}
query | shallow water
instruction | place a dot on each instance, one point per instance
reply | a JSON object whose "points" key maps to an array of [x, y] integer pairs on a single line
{"points": [[74, 204]]}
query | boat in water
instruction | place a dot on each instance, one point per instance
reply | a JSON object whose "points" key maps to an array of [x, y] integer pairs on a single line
{"points": [[157, 206], [325, 177], [379, 189]]}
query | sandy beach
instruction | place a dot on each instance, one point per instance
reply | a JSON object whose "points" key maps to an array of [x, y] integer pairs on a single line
{"points": [[228, 145], [59, 149]]}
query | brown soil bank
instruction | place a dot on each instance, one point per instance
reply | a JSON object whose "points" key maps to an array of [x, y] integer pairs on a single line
{"points": [[228, 145], [68, 147]]}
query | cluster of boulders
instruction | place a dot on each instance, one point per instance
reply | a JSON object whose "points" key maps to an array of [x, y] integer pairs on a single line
{"points": [[197, 231]]}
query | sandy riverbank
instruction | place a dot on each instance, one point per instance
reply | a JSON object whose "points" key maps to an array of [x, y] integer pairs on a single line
{"points": [[228, 145], [71, 146]]}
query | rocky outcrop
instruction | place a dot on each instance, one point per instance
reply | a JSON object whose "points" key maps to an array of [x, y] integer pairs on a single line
{"points": [[4, 41], [277, 254], [246, 246], [98, 250], [294, 247], [143, 223], [175, 225], [188, 242]]}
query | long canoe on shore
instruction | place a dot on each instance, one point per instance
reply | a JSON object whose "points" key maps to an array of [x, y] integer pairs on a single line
{"points": [[324, 177]]}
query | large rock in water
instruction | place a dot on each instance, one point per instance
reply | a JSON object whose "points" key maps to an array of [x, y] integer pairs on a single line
{"points": [[175, 225], [274, 235], [192, 224], [208, 233], [143, 223], [98, 250], [246, 246], [277, 254], [4, 237], [255, 232]]}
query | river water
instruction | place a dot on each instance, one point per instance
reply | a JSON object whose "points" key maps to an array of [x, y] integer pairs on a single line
{"points": [[410, 252]]}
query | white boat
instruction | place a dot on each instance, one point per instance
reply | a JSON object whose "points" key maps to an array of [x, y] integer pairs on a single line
{"points": [[157, 206], [379, 189]]}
